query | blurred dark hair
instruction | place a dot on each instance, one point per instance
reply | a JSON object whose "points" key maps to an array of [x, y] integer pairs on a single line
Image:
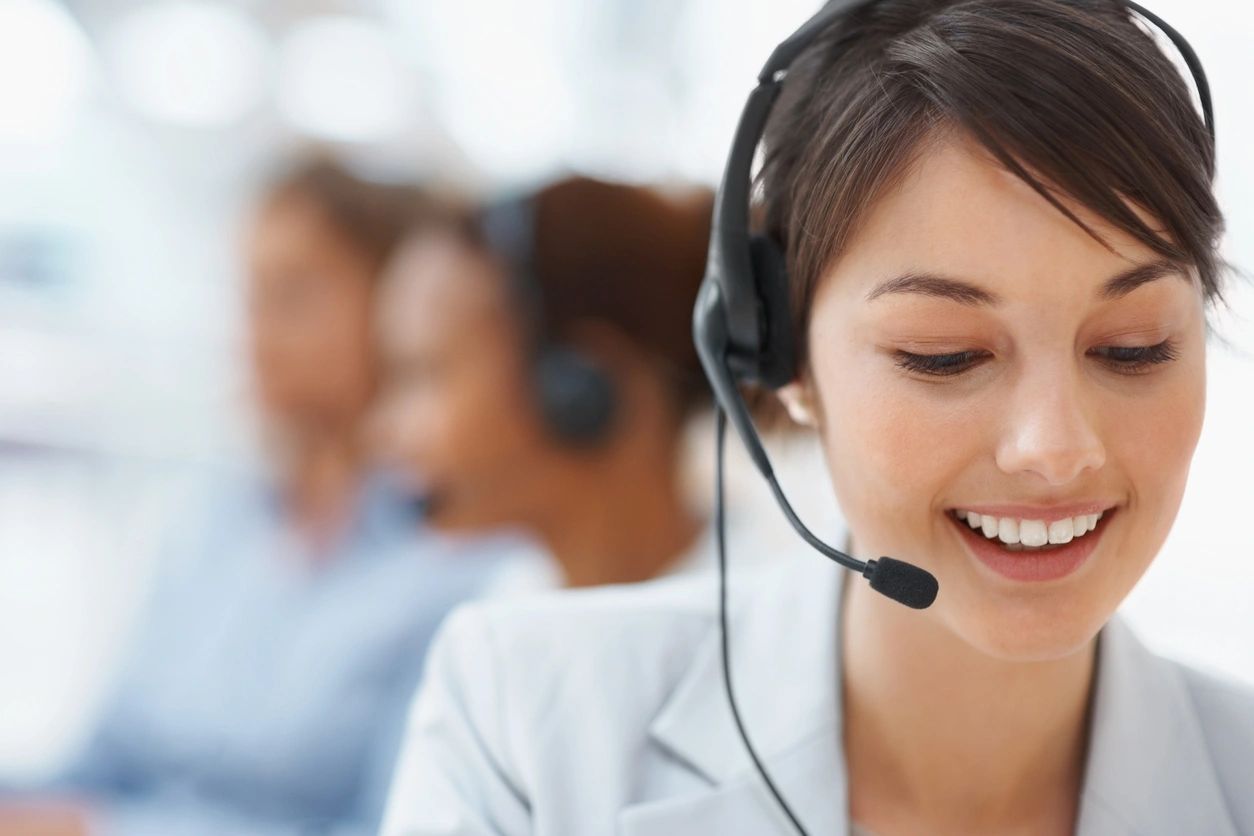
{"points": [[629, 257], [373, 217], [1069, 95]]}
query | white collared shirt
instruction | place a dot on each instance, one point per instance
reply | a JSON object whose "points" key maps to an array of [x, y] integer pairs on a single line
{"points": [[602, 712]]}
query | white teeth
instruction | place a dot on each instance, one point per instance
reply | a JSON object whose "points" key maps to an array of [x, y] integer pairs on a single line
{"points": [[1029, 533], [1061, 531], [1032, 533], [1008, 530]]}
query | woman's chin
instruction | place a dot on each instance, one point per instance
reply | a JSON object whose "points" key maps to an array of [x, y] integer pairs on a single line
{"points": [[1027, 632], [1031, 619], [456, 523], [462, 518]]}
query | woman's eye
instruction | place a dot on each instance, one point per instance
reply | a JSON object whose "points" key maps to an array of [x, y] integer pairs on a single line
{"points": [[1137, 359], [1122, 359], [938, 365]]}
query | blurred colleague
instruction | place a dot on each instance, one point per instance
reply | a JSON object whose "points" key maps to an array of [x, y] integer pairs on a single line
{"points": [[266, 687], [541, 371]]}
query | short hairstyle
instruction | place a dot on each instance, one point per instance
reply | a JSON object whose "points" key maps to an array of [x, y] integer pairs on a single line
{"points": [[1069, 95]]}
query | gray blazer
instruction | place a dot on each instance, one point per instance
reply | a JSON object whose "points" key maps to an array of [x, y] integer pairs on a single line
{"points": [[602, 712]]}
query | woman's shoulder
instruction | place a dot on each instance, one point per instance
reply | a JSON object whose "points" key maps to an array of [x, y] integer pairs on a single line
{"points": [[1198, 722], [659, 616], [552, 628], [1220, 697], [622, 648], [524, 695], [1225, 710]]}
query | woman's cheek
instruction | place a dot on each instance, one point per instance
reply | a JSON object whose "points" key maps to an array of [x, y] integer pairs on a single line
{"points": [[898, 429], [892, 449], [1155, 445]]}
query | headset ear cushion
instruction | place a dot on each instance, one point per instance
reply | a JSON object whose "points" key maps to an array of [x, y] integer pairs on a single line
{"points": [[776, 365], [577, 397]]}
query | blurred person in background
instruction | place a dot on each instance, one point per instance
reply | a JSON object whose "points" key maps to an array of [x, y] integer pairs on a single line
{"points": [[540, 374], [265, 690]]}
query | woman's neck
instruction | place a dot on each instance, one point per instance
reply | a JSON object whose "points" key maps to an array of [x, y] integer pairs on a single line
{"points": [[941, 738], [322, 472], [624, 523]]}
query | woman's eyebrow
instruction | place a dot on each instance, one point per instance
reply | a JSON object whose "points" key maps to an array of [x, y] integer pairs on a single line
{"points": [[1132, 278], [931, 284], [966, 293]]}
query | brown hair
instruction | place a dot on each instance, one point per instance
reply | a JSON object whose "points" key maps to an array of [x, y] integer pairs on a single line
{"points": [[630, 257], [373, 217], [1066, 94]]}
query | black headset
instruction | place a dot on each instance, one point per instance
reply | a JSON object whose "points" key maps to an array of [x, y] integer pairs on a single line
{"points": [[743, 329], [574, 393]]}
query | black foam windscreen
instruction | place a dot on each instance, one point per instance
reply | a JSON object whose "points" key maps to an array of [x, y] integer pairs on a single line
{"points": [[905, 583]]}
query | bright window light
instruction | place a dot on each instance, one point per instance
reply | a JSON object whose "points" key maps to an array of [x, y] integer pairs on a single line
{"points": [[45, 64], [189, 62], [340, 78]]}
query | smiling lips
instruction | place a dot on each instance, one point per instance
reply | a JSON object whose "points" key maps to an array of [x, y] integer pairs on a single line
{"points": [[1052, 543], [1030, 533]]}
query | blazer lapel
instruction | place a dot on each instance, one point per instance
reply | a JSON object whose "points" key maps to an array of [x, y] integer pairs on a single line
{"points": [[1148, 773], [786, 673], [1149, 770]]}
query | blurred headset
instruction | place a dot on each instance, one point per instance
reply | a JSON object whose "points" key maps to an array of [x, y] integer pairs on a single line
{"points": [[743, 330], [575, 395]]}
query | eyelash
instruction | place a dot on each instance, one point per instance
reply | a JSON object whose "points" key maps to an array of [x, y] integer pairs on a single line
{"points": [[1130, 360]]}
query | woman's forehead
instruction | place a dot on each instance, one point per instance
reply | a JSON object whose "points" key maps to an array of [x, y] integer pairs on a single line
{"points": [[957, 211], [440, 286]]}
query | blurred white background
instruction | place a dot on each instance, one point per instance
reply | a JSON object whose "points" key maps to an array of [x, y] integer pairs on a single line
{"points": [[131, 134]]}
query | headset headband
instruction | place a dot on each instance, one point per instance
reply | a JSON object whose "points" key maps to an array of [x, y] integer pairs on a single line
{"points": [[508, 228]]}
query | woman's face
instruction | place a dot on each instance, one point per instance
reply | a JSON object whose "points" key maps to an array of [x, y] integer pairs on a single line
{"points": [[1048, 416], [456, 412], [309, 306]]}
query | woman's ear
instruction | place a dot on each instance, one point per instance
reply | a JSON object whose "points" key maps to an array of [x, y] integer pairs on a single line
{"points": [[799, 401]]}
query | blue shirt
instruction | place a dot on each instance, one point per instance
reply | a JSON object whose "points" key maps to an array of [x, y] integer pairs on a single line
{"points": [[266, 691]]}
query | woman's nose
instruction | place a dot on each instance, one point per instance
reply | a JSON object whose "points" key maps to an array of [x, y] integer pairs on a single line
{"points": [[1050, 429]]}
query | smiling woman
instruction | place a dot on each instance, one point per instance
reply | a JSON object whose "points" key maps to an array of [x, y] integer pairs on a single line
{"points": [[1049, 389], [1000, 241]]}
